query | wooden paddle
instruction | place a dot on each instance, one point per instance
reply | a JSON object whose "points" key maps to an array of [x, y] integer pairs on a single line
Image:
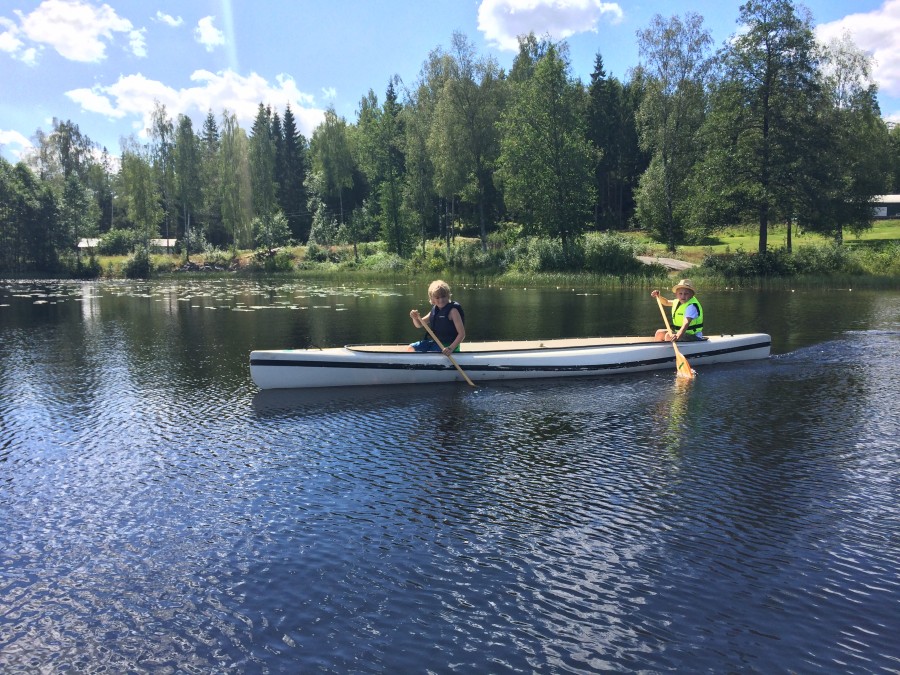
{"points": [[449, 356], [682, 367]]}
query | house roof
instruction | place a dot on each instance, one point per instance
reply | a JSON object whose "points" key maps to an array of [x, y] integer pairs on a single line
{"points": [[93, 242]]}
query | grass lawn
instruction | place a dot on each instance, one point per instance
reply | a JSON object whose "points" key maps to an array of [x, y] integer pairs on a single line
{"points": [[747, 238]]}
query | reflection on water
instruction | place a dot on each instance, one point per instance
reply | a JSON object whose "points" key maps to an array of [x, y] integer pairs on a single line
{"points": [[158, 513]]}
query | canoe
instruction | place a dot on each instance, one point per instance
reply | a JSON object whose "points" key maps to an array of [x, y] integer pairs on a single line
{"points": [[358, 365]]}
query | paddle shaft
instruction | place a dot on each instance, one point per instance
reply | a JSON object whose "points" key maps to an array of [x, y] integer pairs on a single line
{"points": [[449, 356], [679, 357], [663, 312]]}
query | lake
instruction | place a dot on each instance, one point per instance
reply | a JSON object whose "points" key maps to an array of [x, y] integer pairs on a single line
{"points": [[158, 513]]}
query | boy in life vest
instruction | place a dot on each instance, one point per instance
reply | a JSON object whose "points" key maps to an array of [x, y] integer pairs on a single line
{"points": [[446, 319], [687, 314]]}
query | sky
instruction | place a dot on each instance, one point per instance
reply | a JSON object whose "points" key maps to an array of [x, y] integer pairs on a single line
{"points": [[103, 65]]}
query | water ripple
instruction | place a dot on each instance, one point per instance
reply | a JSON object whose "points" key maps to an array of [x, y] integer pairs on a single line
{"points": [[159, 514]]}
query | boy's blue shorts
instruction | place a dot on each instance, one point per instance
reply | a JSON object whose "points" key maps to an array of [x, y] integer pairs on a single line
{"points": [[428, 345]]}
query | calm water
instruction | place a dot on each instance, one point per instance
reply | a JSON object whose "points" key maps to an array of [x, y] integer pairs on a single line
{"points": [[159, 514]]}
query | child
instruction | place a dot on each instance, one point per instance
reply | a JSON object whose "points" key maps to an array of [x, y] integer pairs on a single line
{"points": [[446, 319], [687, 314]]}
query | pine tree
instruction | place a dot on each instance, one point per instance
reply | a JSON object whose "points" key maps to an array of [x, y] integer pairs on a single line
{"points": [[211, 198], [292, 178]]}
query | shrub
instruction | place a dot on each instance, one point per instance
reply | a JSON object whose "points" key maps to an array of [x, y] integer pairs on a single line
{"points": [[325, 228], [216, 257], [612, 254], [117, 242], [316, 253], [272, 260], [825, 259], [744, 265], [271, 231], [883, 260], [822, 259], [383, 262], [87, 270], [138, 265], [547, 255], [507, 235]]}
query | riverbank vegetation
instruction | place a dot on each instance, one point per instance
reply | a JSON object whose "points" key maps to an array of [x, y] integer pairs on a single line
{"points": [[600, 260], [735, 160]]}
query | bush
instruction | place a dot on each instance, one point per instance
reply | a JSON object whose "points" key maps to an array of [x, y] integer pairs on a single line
{"points": [[883, 260], [822, 259], [742, 265], [272, 260], [325, 228], [316, 253], [383, 262], [215, 257], [612, 254], [138, 266], [547, 255], [87, 270], [811, 260], [117, 242], [271, 231]]}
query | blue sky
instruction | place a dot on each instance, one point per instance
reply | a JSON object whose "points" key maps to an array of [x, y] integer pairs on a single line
{"points": [[103, 64]]}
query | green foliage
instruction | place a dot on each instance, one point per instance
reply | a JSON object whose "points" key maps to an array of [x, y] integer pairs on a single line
{"points": [[118, 242], [325, 227], [612, 254], [433, 260], [138, 265], [546, 162], [825, 259], [822, 260], [469, 255], [742, 265], [216, 257], [316, 253], [546, 255], [676, 62], [272, 260], [881, 260], [507, 235], [91, 269], [272, 231], [74, 267], [791, 132], [383, 261]]}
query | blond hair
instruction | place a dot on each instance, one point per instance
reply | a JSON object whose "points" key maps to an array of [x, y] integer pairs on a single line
{"points": [[439, 289]]}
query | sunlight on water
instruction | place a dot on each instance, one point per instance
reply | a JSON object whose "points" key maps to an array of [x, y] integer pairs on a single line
{"points": [[159, 513]]}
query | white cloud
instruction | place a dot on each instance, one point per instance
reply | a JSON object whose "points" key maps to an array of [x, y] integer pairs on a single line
{"points": [[169, 20], [329, 93], [9, 39], [12, 45], [78, 31], [502, 21], [95, 101], [877, 33], [207, 34], [134, 96], [29, 56], [138, 42], [14, 138]]}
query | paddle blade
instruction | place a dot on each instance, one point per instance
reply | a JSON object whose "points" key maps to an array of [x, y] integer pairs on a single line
{"points": [[682, 367]]}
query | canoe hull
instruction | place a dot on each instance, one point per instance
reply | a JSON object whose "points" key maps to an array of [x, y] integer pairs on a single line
{"points": [[361, 365]]}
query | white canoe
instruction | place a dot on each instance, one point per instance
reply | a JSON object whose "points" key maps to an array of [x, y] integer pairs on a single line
{"points": [[356, 365]]}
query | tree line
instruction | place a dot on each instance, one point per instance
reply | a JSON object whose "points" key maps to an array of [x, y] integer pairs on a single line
{"points": [[771, 129]]}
